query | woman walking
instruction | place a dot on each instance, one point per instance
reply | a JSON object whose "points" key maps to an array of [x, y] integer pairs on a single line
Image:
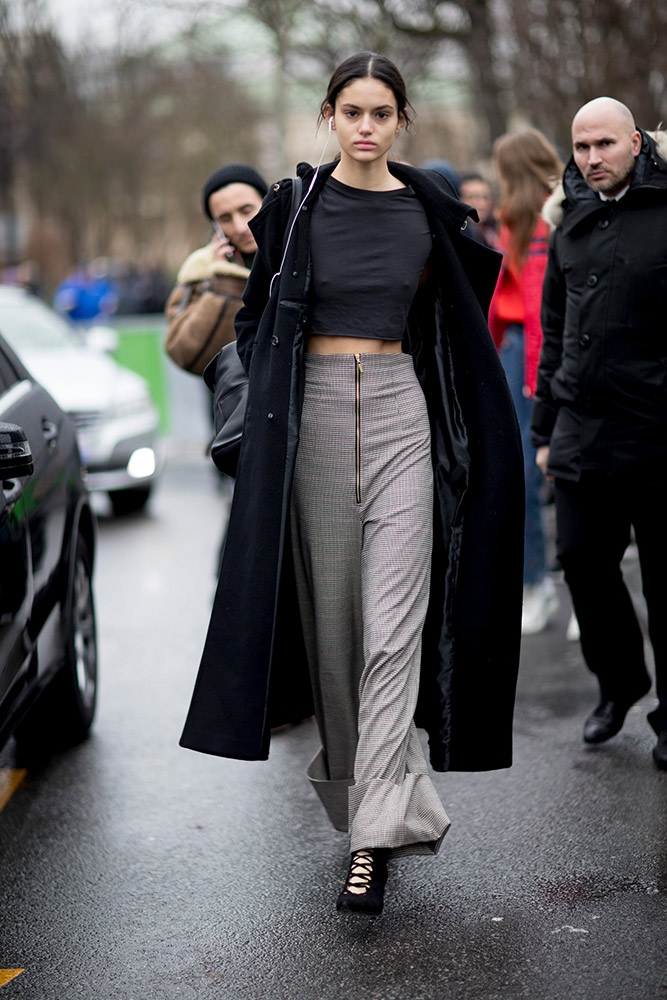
{"points": [[528, 169], [371, 562]]}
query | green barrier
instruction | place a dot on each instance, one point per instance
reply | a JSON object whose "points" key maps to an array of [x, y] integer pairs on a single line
{"points": [[140, 348]]}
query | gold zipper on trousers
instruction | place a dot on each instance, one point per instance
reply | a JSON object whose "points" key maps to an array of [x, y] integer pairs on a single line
{"points": [[358, 369]]}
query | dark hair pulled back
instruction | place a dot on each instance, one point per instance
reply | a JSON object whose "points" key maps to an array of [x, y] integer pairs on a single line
{"points": [[362, 66]]}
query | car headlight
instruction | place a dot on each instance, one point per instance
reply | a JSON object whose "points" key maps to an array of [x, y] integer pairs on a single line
{"points": [[142, 463]]}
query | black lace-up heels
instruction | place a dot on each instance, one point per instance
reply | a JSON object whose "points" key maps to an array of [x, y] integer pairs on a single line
{"points": [[364, 886]]}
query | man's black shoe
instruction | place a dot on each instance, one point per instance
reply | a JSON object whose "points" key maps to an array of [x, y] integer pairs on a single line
{"points": [[660, 751], [605, 721]]}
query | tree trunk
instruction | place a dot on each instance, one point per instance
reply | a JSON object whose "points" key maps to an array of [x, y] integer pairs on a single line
{"points": [[488, 89]]}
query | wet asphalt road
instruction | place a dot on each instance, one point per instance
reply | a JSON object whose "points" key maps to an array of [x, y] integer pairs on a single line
{"points": [[132, 869]]}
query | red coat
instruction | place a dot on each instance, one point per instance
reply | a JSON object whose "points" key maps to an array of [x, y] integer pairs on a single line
{"points": [[529, 280]]}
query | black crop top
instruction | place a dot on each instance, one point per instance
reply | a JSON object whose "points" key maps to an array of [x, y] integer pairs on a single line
{"points": [[368, 251]]}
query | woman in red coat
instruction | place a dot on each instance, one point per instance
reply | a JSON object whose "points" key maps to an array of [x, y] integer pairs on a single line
{"points": [[528, 169]]}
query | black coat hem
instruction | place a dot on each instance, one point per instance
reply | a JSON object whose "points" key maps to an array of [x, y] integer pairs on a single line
{"points": [[218, 750]]}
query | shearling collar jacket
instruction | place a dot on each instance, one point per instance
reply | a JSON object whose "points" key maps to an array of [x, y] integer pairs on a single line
{"points": [[203, 265], [601, 400], [253, 674], [201, 308]]}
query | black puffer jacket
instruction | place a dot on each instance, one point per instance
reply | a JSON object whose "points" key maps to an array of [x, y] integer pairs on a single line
{"points": [[601, 400]]}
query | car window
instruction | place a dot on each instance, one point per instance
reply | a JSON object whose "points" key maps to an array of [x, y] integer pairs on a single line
{"points": [[28, 324], [8, 376]]}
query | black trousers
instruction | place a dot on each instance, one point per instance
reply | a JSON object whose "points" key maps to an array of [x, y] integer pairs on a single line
{"points": [[594, 518]]}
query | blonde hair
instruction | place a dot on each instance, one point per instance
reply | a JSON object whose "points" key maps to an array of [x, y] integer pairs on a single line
{"points": [[529, 168]]}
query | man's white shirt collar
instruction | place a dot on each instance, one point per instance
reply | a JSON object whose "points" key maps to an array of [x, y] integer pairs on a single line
{"points": [[617, 197]]}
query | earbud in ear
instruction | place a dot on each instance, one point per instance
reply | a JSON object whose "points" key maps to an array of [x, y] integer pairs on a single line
{"points": [[331, 123]]}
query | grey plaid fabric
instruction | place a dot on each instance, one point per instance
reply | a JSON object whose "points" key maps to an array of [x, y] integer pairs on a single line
{"points": [[361, 519]]}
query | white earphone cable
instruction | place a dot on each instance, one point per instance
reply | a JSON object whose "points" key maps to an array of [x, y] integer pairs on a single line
{"points": [[296, 214]]}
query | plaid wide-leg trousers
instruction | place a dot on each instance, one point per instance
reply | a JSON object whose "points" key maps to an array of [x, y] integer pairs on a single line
{"points": [[361, 525]]}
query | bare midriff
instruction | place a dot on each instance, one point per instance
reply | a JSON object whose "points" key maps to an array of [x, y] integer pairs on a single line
{"points": [[351, 345]]}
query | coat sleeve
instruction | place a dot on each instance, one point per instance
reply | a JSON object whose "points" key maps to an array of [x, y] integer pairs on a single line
{"points": [[553, 322], [247, 319], [200, 322], [267, 228], [531, 290], [496, 325]]}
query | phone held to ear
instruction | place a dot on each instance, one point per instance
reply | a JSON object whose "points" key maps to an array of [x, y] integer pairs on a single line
{"points": [[228, 249]]}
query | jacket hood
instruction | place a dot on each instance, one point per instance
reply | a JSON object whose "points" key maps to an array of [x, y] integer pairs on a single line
{"points": [[572, 200], [202, 265]]}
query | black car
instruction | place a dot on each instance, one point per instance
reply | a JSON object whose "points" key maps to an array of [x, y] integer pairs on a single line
{"points": [[48, 647]]}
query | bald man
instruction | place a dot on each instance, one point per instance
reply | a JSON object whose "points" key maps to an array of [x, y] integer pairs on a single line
{"points": [[600, 410]]}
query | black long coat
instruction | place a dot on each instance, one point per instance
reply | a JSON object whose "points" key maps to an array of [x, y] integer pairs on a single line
{"points": [[601, 400], [252, 674]]}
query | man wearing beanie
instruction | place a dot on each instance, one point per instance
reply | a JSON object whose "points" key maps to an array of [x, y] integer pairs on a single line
{"points": [[210, 283]]}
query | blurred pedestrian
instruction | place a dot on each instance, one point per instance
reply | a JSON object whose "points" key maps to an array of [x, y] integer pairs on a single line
{"points": [[339, 546], [600, 414], [528, 169], [142, 287], [26, 274], [447, 170], [209, 286], [475, 191], [88, 295]]}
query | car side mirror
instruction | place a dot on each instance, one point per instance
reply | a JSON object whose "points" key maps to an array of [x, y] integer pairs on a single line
{"points": [[15, 454]]}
